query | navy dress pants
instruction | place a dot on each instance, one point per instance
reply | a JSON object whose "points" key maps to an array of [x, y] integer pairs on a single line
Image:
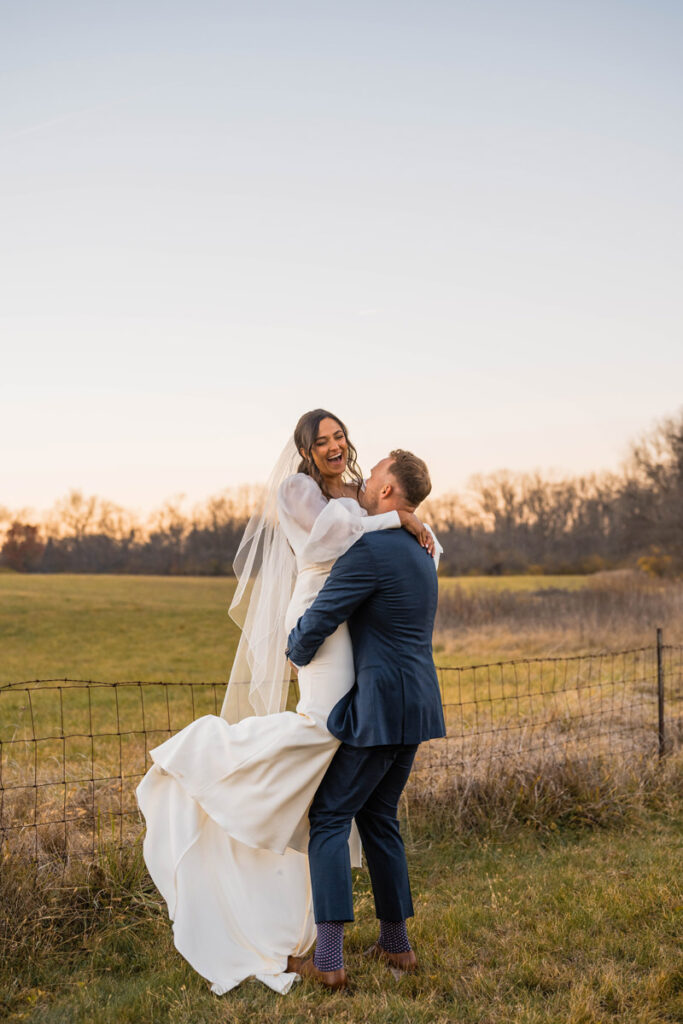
{"points": [[364, 783]]}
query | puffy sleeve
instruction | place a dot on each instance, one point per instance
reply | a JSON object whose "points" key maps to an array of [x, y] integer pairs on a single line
{"points": [[320, 530]]}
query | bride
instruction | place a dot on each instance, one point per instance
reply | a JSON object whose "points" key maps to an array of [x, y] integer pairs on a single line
{"points": [[226, 800]]}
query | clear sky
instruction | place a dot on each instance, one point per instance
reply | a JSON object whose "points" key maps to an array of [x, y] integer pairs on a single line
{"points": [[456, 224]]}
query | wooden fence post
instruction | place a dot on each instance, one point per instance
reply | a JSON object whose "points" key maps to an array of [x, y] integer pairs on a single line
{"points": [[660, 697]]}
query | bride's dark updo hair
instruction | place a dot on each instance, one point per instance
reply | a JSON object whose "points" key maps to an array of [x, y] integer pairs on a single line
{"points": [[305, 434]]}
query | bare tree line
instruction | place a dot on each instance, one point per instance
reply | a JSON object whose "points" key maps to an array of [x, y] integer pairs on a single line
{"points": [[504, 523], [90, 534], [524, 523]]}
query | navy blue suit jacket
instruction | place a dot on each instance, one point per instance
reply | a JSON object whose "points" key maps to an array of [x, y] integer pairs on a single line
{"points": [[386, 587]]}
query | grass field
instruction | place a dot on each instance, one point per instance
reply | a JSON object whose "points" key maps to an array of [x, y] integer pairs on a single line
{"points": [[545, 894], [178, 630], [116, 627], [148, 627], [560, 928]]}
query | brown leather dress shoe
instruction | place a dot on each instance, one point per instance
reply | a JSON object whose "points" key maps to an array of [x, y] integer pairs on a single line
{"points": [[402, 961], [330, 979], [294, 963]]}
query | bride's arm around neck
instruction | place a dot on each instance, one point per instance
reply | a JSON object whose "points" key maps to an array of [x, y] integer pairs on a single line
{"points": [[321, 530]]}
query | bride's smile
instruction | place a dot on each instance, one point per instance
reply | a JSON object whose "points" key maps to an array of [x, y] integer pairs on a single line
{"points": [[330, 450]]}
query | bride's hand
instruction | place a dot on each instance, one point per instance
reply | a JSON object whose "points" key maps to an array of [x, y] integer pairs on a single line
{"points": [[412, 524]]}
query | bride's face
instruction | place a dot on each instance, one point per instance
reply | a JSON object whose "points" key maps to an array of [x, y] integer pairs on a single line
{"points": [[330, 450]]}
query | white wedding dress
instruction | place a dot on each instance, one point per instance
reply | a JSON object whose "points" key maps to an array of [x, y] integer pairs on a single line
{"points": [[226, 806]]}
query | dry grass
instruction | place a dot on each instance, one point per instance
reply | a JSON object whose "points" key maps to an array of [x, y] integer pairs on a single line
{"points": [[546, 890], [554, 920], [608, 611], [497, 798]]}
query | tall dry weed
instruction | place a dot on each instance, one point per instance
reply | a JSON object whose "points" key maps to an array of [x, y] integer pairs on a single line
{"points": [[541, 793], [614, 608]]}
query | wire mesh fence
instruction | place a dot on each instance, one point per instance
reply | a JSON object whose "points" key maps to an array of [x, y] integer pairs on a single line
{"points": [[559, 709], [73, 751]]}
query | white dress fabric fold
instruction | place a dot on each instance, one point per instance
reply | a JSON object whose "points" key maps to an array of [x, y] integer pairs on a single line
{"points": [[226, 805]]}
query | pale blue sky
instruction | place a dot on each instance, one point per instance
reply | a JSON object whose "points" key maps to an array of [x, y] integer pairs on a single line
{"points": [[458, 225]]}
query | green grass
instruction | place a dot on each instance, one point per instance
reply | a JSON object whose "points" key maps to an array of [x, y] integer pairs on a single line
{"points": [[116, 627], [144, 627], [570, 928]]}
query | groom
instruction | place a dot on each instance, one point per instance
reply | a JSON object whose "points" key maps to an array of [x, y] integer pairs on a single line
{"points": [[386, 587]]}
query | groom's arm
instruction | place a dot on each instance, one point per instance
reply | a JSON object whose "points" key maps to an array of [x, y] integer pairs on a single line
{"points": [[352, 579]]}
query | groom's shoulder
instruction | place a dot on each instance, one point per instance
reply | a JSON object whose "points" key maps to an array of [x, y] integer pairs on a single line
{"points": [[396, 550], [375, 545], [386, 542]]}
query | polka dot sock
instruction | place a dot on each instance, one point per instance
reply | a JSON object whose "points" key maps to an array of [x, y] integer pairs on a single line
{"points": [[329, 947], [393, 937]]}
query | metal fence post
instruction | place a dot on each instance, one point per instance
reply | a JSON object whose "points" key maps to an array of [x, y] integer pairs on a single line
{"points": [[660, 696]]}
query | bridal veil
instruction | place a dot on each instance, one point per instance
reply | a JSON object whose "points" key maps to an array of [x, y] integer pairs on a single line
{"points": [[265, 567]]}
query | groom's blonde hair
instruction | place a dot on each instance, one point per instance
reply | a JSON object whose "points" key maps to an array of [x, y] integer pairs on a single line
{"points": [[411, 475]]}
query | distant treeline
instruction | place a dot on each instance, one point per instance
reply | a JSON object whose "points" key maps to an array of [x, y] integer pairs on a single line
{"points": [[504, 523]]}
